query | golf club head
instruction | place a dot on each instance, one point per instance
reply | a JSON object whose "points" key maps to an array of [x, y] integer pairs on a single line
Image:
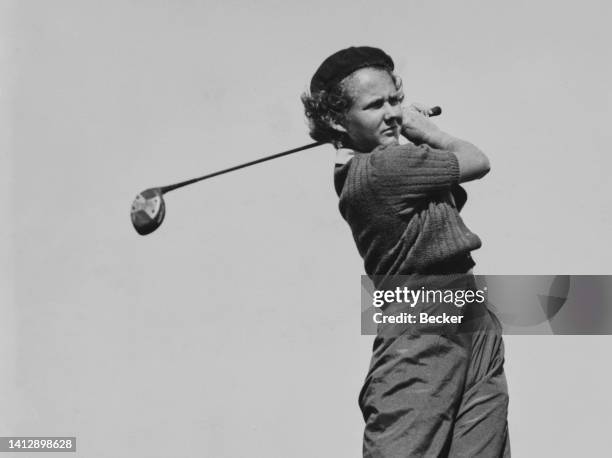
{"points": [[148, 211]]}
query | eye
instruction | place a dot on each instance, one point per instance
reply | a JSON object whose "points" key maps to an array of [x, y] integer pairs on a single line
{"points": [[376, 104], [396, 100]]}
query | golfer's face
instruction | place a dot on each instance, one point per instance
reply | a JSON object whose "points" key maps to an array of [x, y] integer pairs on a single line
{"points": [[375, 117]]}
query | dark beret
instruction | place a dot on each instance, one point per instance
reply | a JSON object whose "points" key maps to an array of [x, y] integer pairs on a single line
{"points": [[341, 64]]}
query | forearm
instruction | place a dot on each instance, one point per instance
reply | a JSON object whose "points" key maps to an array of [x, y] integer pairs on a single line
{"points": [[473, 163], [418, 128]]}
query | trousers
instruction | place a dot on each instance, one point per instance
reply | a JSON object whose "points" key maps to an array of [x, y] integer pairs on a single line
{"points": [[436, 395]]}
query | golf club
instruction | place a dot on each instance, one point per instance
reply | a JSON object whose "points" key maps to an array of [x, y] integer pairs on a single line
{"points": [[149, 209]]}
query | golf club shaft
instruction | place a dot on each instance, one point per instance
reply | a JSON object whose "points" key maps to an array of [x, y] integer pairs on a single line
{"points": [[236, 167], [435, 111]]}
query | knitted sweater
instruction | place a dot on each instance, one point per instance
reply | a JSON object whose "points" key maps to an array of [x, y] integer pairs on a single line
{"points": [[400, 202]]}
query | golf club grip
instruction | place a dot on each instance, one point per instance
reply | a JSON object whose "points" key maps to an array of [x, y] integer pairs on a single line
{"points": [[435, 111]]}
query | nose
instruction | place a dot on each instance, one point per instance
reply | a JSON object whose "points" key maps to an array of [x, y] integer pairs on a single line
{"points": [[393, 113]]}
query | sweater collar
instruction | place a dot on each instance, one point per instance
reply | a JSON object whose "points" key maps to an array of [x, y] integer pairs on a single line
{"points": [[343, 155]]}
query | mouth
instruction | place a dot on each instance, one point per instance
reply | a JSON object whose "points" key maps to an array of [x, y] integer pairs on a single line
{"points": [[391, 131]]}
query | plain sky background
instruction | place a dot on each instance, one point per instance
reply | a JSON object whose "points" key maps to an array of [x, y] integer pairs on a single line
{"points": [[233, 331]]}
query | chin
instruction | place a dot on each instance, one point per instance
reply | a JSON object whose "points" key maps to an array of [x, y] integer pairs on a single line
{"points": [[390, 140], [375, 143]]}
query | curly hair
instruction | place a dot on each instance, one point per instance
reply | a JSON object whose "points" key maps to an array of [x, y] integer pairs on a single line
{"points": [[330, 106]]}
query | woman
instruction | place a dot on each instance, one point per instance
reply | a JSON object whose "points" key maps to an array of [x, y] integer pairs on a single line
{"points": [[436, 394]]}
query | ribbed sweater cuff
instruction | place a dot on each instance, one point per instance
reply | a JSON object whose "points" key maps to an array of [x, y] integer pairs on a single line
{"points": [[454, 166]]}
